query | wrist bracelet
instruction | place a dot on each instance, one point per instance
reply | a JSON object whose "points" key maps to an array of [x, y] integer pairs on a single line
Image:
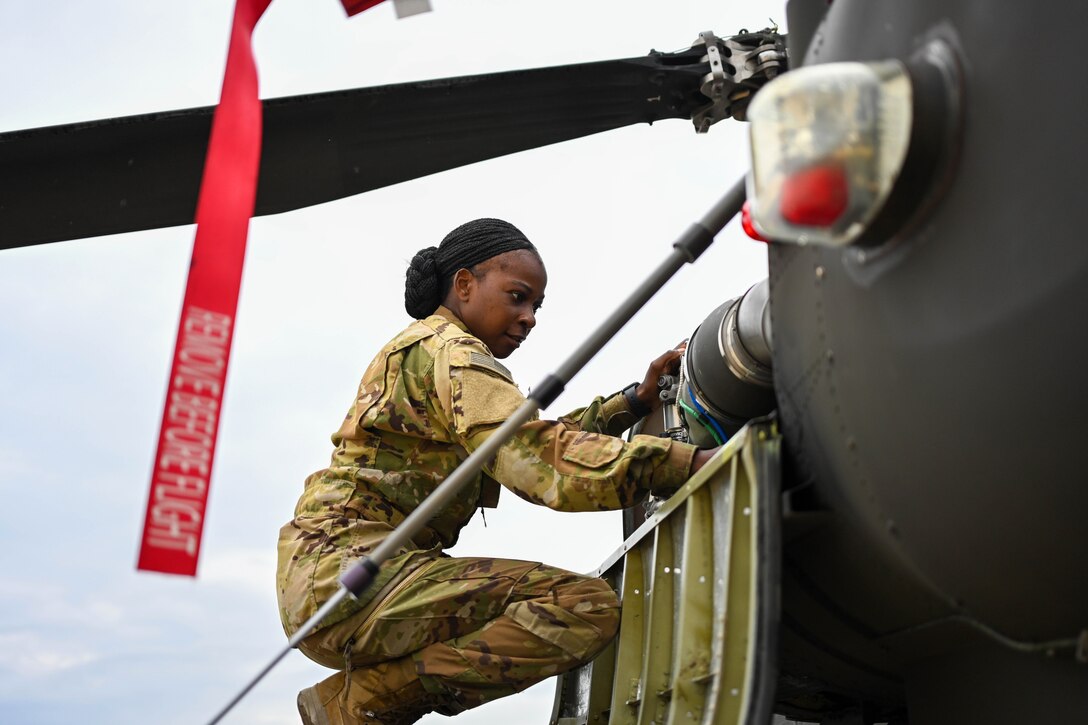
{"points": [[637, 407]]}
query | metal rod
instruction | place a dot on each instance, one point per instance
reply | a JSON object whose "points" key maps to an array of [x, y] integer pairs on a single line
{"points": [[686, 250], [302, 633], [706, 228], [449, 488]]}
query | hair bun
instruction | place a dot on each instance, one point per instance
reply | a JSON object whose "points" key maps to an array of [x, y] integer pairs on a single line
{"points": [[421, 284], [431, 271]]}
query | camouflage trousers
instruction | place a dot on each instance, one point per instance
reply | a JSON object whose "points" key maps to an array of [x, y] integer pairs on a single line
{"points": [[472, 630]]}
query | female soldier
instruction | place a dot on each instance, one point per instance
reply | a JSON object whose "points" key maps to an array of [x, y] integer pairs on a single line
{"points": [[435, 633]]}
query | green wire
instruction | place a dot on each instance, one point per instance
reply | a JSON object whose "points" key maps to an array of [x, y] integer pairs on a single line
{"points": [[699, 418]]}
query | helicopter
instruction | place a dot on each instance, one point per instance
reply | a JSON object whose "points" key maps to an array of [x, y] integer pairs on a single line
{"points": [[890, 332], [930, 538], [88, 325]]}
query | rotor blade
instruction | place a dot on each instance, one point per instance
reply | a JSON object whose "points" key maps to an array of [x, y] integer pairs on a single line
{"points": [[143, 172]]}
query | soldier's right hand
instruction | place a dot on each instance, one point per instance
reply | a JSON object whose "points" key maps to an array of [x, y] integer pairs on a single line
{"points": [[701, 457], [667, 363]]}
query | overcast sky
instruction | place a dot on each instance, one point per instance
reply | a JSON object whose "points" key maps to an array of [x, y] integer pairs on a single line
{"points": [[87, 328]]}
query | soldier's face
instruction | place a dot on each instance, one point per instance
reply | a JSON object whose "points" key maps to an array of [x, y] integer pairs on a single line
{"points": [[498, 304]]}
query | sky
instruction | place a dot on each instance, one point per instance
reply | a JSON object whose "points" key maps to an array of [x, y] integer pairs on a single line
{"points": [[87, 329]]}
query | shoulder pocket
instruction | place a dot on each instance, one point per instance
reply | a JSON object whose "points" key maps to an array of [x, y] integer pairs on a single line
{"points": [[593, 450], [482, 398], [370, 392], [382, 374], [483, 391]]}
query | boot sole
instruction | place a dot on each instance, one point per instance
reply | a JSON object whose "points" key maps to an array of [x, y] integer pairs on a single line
{"points": [[311, 709]]}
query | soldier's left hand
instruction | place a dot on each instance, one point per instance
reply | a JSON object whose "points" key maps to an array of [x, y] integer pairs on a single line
{"points": [[666, 364]]}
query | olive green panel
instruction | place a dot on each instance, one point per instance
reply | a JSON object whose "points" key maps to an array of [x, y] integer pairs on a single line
{"points": [[655, 678], [691, 663], [732, 686], [600, 685], [700, 591], [625, 693]]}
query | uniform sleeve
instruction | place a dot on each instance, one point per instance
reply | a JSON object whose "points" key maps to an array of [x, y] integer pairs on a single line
{"points": [[557, 463], [611, 416]]}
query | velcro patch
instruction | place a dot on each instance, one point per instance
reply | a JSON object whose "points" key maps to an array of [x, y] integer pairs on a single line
{"points": [[486, 362], [482, 398]]}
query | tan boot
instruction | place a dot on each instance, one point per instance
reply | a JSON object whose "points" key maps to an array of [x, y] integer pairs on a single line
{"points": [[320, 704], [389, 693]]}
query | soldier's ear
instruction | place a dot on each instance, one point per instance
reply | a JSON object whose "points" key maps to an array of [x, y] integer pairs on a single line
{"points": [[463, 283]]}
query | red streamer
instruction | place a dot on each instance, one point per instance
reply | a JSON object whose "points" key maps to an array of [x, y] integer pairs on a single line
{"points": [[182, 470], [354, 7]]}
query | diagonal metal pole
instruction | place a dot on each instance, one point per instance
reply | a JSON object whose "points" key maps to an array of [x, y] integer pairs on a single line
{"points": [[355, 580]]}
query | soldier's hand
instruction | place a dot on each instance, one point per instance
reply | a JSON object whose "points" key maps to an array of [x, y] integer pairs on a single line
{"points": [[666, 364], [701, 457]]}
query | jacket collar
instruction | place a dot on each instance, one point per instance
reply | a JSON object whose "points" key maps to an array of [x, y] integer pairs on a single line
{"points": [[446, 314]]}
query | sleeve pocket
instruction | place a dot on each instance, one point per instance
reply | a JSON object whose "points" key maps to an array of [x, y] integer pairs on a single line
{"points": [[593, 450]]}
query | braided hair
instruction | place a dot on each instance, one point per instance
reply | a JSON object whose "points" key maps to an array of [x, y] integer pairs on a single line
{"points": [[431, 271]]}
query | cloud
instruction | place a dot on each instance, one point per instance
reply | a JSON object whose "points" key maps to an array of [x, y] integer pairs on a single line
{"points": [[249, 571], [29, 654]]}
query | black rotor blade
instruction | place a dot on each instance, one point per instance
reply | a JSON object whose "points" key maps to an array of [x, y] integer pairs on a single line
{"points": [[143, 172]]}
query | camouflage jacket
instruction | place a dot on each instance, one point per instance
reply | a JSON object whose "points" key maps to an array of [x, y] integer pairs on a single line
{"points": [[430, 397]]}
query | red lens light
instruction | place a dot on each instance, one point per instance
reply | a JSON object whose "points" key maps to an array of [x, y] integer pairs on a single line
{"points": [[747, 225], [814, 197]]}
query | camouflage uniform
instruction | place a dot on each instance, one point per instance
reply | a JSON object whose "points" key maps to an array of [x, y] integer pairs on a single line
{"points": [[470, 629]]}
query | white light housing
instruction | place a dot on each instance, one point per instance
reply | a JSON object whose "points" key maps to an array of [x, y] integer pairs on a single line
{"points": [[828, 143]]}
